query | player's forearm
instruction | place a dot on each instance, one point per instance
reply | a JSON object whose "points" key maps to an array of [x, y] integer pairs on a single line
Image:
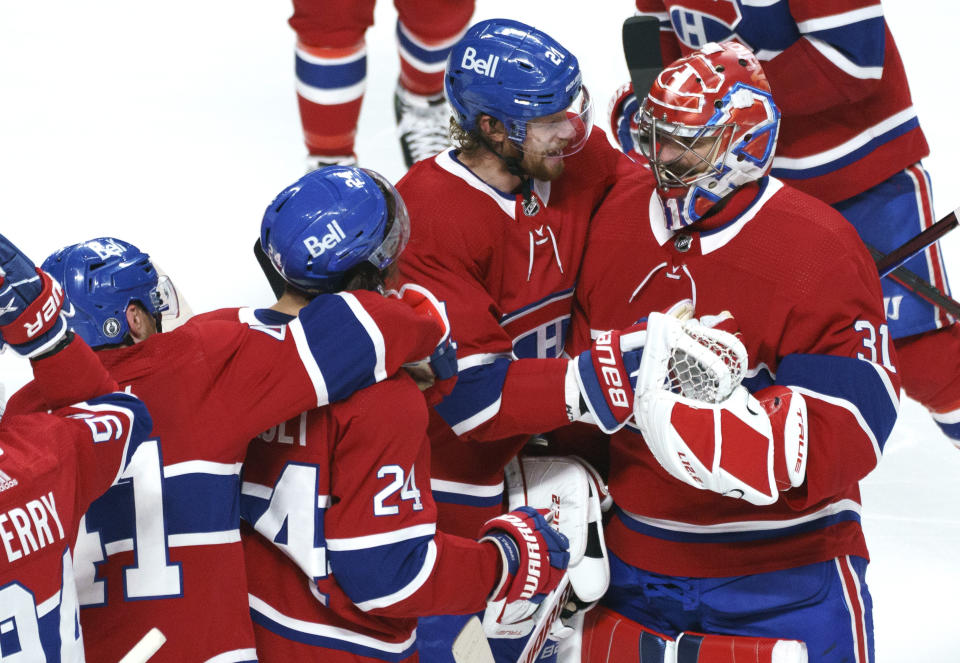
{"points": [[463, 576], [532, 401], [70, 375]]}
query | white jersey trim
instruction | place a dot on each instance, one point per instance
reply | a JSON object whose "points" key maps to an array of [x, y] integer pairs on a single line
{"points": [[480, 417], [201, 467], [507, 205], [843, 63], [327, 631], [425, 572], [234, 656], [309, 363], [361, 314], [840, 20], [858, 141], [849, 407], [712, 242], [386, 538], [473, 490], [745, 525]]}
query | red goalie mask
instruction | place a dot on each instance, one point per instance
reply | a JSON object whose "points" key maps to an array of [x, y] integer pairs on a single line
{"points": [[708, 126]]}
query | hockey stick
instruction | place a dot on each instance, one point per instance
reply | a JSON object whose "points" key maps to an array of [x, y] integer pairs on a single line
{"points": [[919, 287], [915, 245], [471, 645], [147, 647], [641, 49]]}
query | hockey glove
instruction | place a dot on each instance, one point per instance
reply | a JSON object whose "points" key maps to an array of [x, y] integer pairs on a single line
{"points": [[436, 374], [600, 382], [30, 303], [534, 557], [741, 447], [623, 110]]}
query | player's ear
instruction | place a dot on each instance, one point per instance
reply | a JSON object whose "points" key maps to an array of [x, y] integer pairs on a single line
{"points": [[141, 324], [492, 128]]}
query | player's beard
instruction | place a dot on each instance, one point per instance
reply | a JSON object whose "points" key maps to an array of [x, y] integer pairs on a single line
{"points": [[543, 166]]}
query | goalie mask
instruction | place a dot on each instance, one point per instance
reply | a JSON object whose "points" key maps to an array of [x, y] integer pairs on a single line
{"points": [[708, 126], [330, 221], [100, 279]]}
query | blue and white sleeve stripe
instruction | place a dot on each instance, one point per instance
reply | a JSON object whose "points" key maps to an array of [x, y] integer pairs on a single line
{"points": [[404, 560], [340, 358], [861, 387], [475, 398]]}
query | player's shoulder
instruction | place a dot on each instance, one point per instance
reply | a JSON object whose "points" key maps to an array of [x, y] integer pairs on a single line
{"points": [[821, 226], [395, 405], [230, 313]]}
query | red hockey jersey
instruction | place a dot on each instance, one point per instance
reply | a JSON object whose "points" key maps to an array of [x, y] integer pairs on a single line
{"points": [[507, 280], [836, 75], [340, 495], [807, 298], [163, 546], [52, 466]]}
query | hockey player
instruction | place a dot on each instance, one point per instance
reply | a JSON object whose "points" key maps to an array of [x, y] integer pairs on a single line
{"points": [[52, 465], [341, 494], [851, 138], [779, 552], [497, 232], [331, 70], [157, 548]]}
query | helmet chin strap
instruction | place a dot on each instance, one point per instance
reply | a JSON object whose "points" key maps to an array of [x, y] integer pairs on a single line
{"points": [[514, 167]]}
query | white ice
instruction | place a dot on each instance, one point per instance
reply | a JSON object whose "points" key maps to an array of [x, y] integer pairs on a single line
{"points": [[173, 124]]}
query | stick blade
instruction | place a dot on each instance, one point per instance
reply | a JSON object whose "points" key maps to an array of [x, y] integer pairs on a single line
{"points": [[471, 645], [641, 49]]}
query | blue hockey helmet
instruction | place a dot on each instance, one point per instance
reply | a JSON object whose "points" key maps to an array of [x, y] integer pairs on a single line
{"points": [[100, 279], [331, 220], [518, 74]]}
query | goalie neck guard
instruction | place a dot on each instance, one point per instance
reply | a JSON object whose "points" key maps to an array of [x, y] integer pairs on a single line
{"points": [[708, 126]]}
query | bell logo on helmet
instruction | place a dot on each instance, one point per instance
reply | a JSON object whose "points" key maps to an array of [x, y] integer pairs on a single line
{"points": [[105, 249], [484, 67], [316, 246]]}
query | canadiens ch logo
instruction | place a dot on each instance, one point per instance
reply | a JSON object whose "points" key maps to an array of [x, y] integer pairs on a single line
{"points": [[696, 28]]}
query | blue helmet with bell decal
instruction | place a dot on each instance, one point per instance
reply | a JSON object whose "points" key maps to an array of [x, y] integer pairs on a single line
{"points": [[331, 220], [101, 278], [516, 73]]}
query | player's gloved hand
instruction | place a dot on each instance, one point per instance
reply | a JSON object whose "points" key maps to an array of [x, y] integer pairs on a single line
{"points": [[534, 557], [741, 447], [622, 109], [436, 374], [30, 303], [600, 382], [118, 414]]}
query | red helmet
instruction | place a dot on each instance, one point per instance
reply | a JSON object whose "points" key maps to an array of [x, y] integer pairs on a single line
{"points": [[708, 126]]}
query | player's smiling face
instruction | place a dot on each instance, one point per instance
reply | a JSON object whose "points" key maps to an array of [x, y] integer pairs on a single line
{"points": [[545, 143]]}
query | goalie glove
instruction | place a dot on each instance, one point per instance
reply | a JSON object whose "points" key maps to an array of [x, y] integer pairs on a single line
{"points": [[743, 447], [622, 109], [30, 303], [534, 557]]}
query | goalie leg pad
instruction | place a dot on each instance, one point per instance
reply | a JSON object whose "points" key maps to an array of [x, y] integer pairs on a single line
{"points": [[610, 637], [572, 490]]}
